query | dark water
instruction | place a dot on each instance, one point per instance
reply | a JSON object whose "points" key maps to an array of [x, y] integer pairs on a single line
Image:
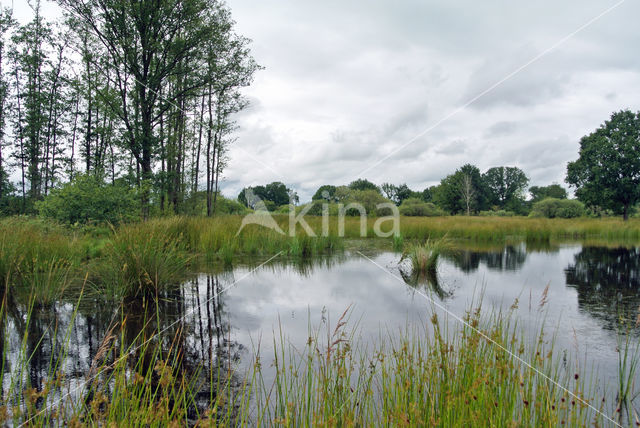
{"points": [[224, 317]]}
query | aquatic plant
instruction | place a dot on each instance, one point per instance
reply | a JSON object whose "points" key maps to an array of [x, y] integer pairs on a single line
{"points": [[483, 372], [140, 261], [424, 257]]}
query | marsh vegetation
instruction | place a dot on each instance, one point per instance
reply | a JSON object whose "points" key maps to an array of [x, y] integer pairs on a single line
{"points": [[99, 325]]}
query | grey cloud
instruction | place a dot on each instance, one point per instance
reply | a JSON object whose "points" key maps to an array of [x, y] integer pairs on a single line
{"points": [[346, 84], [501, 129]]}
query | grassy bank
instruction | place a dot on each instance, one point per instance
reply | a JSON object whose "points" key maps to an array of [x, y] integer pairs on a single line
{"points": [[47, 260], [440, 374]]}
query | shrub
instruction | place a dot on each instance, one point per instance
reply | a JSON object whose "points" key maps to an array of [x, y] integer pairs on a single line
{"points": [[415, 207], [89, 199], [560, 208], [229, 206]]}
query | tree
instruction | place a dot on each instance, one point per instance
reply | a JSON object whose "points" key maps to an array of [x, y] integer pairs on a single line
{"points": [[325, 192], [397, 194], [277, 193], [363, 184], [468, 192], [505, 186], [607, 171], [539, 193], [461, 192], [273, 194], [149, 43], [38, 58], [6, 23], [389, 190], [427, 194]]}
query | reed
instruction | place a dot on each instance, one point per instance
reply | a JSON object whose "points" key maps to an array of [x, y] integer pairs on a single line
{"points": [[424, 257], [140, 261], [438, 374]]}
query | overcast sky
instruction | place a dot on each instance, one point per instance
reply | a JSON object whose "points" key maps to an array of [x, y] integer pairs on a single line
{"points": [[347, 84]]}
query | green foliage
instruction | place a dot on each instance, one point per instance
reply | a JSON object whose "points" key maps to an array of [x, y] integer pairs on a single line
{"points": [[461, 192], [273, 195], [369, 199], [363, 184], [196, 204], [558, 208], [538, 193], [397, 194], [427, 194], [417, 208], [607, 172], [505, 185], [325, 192], [140, 261], [89, 199]]}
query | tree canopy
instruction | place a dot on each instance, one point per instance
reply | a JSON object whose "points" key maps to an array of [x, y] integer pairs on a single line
{"points": [[273, 194], [555, 190], [363, 184], [505, 186], [461, 192], [607, 171], [325, 192]]}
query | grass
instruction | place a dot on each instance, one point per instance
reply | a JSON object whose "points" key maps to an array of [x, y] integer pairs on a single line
{"points": [[439, 374], [140, 262], [424, 257], [47, 260]]}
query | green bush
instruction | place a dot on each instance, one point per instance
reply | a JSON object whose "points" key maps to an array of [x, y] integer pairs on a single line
{"points": [[229, 206], [558, 208], [89, 199], [415, 207]]}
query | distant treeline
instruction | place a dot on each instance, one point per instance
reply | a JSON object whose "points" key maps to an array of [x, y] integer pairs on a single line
{"points": [[606, 178], [498, 191]]}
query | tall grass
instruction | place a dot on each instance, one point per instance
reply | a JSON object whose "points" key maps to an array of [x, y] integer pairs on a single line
{"points": [[438, 374], [45, 259], [140, 262], [531, 229], [424, 257], [38, 259]]}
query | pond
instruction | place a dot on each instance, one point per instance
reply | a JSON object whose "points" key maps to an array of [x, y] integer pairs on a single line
{"points": [[580, 292]]}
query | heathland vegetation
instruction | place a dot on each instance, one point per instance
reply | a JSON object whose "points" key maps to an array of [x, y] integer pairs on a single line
{"points": [[115, 126]]}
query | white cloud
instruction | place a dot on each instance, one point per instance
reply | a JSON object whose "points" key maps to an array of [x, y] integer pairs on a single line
{"points": [[346, 84]]}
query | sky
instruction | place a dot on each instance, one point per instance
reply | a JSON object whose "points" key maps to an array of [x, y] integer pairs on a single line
{"points": [[408, 91]]}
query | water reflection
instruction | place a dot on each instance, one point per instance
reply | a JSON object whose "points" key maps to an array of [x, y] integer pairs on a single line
{"points": [[211, 322], [607, 281], [508, 258], [427, 280], [188, 327]]}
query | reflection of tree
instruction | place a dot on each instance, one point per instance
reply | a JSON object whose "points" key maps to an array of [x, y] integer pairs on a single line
{"points": [[510, 258], [187, 327], [607, 281]]}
